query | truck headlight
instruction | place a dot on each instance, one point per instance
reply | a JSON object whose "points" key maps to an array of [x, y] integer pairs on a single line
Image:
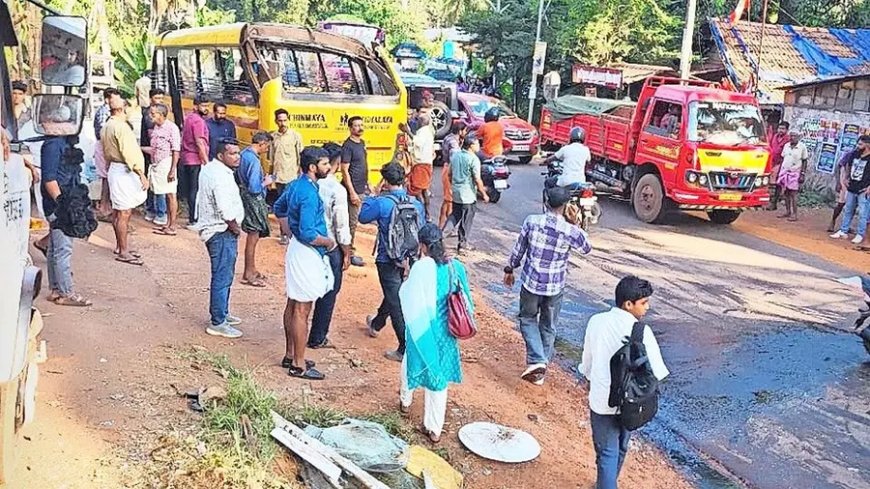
{"points": [[703, 180], [759, 181], [691, 177], [765, 181]]}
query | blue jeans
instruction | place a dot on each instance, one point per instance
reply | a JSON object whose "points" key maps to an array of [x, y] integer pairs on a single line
{"points": [[611, 444], [155, 204], [325, 305], [538, 316], [59, 257], [390, 277], [222, 250], [862, 202]]}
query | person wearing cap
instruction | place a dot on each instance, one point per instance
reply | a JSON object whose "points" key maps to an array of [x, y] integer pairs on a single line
{"points": [[194, 154], [466, 185], [543, 249], [431, 359], [791, 173]]}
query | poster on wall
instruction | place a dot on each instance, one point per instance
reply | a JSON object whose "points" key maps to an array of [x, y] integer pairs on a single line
{"points": [[827, 158], [849, 140]]}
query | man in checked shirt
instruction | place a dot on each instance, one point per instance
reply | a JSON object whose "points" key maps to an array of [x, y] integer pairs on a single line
{"points": [[542, 249]]}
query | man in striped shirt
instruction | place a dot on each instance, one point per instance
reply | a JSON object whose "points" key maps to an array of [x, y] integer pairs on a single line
{"points": [[543, 249]]}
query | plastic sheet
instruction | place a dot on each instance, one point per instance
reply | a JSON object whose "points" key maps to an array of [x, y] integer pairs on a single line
{"points": [[364, 443]]}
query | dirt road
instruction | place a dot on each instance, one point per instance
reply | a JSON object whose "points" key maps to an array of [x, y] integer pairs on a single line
{"points": [[108, 391]]}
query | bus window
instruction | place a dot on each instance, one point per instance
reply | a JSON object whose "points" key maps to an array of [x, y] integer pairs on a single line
{"points": [[187, 83], [209, 75], [237, 90], [159, 67], [301, 71], [339, 74]]}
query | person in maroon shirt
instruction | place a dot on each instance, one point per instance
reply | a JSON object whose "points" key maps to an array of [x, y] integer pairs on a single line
{"points": [[777, 141], [194, 154]]}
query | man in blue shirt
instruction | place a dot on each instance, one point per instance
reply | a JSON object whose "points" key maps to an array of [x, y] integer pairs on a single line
{"points": [[307, 273], [59, 176], [252, 188], [390, 273], [219, 128]]}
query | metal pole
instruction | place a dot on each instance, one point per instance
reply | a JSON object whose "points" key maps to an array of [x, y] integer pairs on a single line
{"points": [[760, 47], [533, 88], [686, 52]]}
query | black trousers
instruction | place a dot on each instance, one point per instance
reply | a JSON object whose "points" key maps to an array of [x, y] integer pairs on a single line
{"points": [[188, 186], [324, 306], [390, 276]]}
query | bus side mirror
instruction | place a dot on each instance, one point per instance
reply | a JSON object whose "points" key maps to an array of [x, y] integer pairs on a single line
{"points": [[57, 114], [64, 50]]}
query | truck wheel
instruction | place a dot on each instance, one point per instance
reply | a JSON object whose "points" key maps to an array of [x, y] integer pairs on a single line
{"points": [[441, 119], [723, 217], [648, 199]]}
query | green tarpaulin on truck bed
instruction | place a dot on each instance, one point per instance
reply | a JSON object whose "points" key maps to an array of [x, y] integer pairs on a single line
{"points": [[569, 105]]}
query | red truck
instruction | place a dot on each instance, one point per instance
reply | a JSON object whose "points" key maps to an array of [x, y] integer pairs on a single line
{"points": [[684, 144]]}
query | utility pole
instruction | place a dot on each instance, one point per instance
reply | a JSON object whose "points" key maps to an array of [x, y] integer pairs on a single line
{"points": [[688, 32], [533, 88], [760, 48]]}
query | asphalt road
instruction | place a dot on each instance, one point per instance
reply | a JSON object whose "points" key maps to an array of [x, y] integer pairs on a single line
{"points": [[767, 386]]}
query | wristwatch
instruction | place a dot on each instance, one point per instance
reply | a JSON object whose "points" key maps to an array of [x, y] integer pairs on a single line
{"points": [[508, 269]]}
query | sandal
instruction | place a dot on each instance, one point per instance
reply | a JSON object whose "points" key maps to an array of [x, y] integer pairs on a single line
{"points": [[286, 362], [309, 373], [131, 252], [165, 231], [132, 260], [43, 250], [74, 300], [253, 282], [432, 436], [404, 410]]}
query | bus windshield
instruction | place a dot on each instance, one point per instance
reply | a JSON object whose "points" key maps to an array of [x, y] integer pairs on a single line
{"points": [[725, 123], [304, 70]]}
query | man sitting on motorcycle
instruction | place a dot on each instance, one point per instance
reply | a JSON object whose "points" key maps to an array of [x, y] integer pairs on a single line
{"points": [[574, 157], [491, 135]]}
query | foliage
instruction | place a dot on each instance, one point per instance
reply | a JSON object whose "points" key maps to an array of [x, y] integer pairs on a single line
{"points": [[132, 58]]}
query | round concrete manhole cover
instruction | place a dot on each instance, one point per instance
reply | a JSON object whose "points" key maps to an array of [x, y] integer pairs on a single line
{"points": [[499, 443]]}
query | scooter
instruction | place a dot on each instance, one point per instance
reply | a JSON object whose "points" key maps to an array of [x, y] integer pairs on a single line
{"points": [[495, 173], [583, 208]]}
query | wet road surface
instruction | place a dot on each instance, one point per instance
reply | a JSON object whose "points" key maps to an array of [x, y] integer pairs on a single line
{"points": [[767, 387]]}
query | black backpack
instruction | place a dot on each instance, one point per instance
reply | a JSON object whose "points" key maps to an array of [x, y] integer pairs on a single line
{"points": [[402, 239], [633, 387]]}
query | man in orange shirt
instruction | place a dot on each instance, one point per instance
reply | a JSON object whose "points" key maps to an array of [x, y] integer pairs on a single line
{"points": [[491, 135]]}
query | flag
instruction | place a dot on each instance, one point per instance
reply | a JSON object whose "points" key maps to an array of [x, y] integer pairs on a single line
{"points": [[742, 6]]}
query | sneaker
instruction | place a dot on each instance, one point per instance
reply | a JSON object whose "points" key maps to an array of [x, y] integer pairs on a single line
{"points": [[533, 371], [373, 333], [357, 261], [393, 355], [233, 320], [839, 235], [224, 330], [858, 239], [161, 220], [538, 378], [149, 217], [324, 344]]}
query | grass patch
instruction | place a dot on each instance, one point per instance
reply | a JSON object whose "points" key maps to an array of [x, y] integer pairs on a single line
{"points": [[321, 416]]}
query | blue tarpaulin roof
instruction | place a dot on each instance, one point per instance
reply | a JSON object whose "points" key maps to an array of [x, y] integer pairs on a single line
{"points": [[789, 54]]}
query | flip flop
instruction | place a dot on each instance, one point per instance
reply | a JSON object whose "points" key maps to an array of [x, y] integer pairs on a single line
{"points": [[253, 283], [132, 253], [164, 231], [74, 300], [133, 260]]}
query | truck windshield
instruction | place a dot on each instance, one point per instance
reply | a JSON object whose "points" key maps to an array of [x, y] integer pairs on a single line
{"points": [[725, 123]]}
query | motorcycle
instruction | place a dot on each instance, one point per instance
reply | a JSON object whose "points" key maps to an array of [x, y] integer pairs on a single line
{"points": [[583, 208], [495, 173]]}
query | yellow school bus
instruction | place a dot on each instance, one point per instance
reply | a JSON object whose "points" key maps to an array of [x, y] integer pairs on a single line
{"points": [[321, 79]]}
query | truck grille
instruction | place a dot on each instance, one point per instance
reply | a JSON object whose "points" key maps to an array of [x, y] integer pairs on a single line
{"points": [[518, 134], [731, 181]]}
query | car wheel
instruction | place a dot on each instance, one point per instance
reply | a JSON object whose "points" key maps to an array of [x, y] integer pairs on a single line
{"points": [[441, 119]]}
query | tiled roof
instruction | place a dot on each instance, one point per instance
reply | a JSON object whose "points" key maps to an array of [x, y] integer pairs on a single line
{"points": [[790, 54], [635, 72]]}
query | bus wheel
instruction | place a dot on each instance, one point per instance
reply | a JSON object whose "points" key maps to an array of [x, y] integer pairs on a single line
{"points": [[648, 199], [723, 217]]}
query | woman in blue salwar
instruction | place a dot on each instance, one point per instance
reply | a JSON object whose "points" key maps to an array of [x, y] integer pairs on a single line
{"points": [[431, 359]]}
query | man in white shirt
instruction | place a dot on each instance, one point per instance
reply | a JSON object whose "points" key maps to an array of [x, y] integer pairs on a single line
{"points": [[791, 173], [420, 177], [335, 212], [605, 335], [219, 214], [574, 157]]}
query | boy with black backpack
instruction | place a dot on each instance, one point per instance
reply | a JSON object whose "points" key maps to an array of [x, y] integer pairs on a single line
{"points": [[623, 363], [399, 218]]}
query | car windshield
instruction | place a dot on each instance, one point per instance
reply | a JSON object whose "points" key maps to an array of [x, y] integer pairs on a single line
{"points": [[480, 107], [725, 123]]}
